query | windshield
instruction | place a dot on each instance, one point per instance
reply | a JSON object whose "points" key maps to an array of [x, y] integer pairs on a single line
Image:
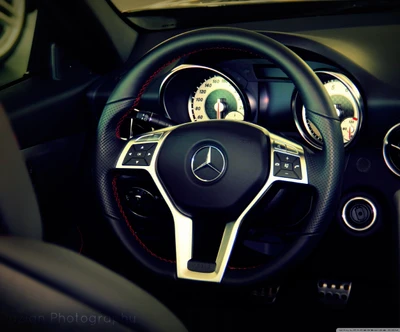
{"points": [[139, 5]]}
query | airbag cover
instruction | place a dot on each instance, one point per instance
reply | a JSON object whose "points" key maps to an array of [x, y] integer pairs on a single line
{"points": [[245, 151]]}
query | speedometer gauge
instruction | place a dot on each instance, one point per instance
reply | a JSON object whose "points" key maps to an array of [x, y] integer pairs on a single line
{"points": [[347, 102], [216, 98]]}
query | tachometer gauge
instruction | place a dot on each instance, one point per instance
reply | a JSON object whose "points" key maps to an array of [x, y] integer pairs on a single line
{"points": [[216, 98], [348, 104]]}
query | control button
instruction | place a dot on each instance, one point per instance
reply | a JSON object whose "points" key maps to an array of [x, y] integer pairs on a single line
{"points": [[297, 168], [149, 154], [136, 162], [287, 166], [277, 166], [280, 146], [143, 147], [139, 154], [286, 158], [287, 174], [140, 201], [292, 149], [129, 155], [359, 214]]}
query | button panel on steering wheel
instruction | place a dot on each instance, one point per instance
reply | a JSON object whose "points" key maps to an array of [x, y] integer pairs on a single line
{"points": [[140, 154], [287, 166], [277, 150]]}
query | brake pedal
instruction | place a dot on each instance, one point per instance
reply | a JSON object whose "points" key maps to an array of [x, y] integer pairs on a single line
{"points": [[334, 292]]}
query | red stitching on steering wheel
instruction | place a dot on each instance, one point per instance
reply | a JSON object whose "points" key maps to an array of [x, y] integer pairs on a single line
{"points": [[147, 83], [135, 105], [121, 209], [244, 267], [143, 245]]}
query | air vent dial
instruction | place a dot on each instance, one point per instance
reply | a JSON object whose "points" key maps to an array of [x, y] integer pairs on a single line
{"points": [[391, 149]]}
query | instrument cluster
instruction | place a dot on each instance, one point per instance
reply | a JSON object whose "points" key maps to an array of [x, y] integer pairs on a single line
{"points": [[200, 93], [348, 104]]}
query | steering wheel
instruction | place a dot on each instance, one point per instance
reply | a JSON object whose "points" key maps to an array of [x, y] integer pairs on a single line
{"points": [[214, 172]]}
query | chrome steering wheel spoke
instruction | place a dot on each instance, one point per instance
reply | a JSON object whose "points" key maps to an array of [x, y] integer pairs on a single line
{"points": [[287, 164]]}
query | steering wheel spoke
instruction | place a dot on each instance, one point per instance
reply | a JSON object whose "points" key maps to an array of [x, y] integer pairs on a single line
{"points": [[189, 264], [141, 153], [218, 168], [286, 163]]}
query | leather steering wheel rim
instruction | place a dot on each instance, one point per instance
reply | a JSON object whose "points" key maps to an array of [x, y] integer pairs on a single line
{"points": [[325, 168]]}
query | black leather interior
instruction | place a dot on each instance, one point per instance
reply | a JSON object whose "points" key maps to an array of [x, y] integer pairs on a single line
{"points": [[19, 211], [41, 284], [44, 287], [45, 309], [126, 96]]}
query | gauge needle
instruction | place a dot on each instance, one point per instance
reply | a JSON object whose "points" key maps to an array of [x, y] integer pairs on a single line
{"points": [[219, 107], [349, 133], [395, 146]]}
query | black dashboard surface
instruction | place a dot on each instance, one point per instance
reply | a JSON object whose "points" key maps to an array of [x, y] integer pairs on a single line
{"points": [[364, 47]]}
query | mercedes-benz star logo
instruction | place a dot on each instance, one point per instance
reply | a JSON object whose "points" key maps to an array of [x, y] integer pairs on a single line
{"points": [[208, 164]]}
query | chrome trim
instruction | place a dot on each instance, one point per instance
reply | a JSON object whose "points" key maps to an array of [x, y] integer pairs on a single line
{"points": [[208, 163], [183, 224], [395, 146], [131, 129], [138, 214], [374, 211], [354, 92], [386, 157], [185, 67], [307, 138]]}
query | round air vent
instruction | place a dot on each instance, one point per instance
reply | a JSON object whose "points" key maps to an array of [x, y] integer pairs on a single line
{"points": [[391, 149]]}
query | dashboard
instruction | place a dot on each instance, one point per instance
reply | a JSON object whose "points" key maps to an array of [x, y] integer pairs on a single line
{"points": [[199, 93], [355, 57], [358, 76], [360, 48]]}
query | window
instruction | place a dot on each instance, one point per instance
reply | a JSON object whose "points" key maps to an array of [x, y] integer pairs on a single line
{"points": [[17, 25]]}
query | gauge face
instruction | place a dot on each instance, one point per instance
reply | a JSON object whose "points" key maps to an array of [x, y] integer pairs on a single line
{"points": [[349, 127], [216, 98], [234, 116], [347, 108]]}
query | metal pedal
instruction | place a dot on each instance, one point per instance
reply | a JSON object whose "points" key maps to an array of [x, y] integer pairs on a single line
{"points": [[334, 292], [266, 294]]}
